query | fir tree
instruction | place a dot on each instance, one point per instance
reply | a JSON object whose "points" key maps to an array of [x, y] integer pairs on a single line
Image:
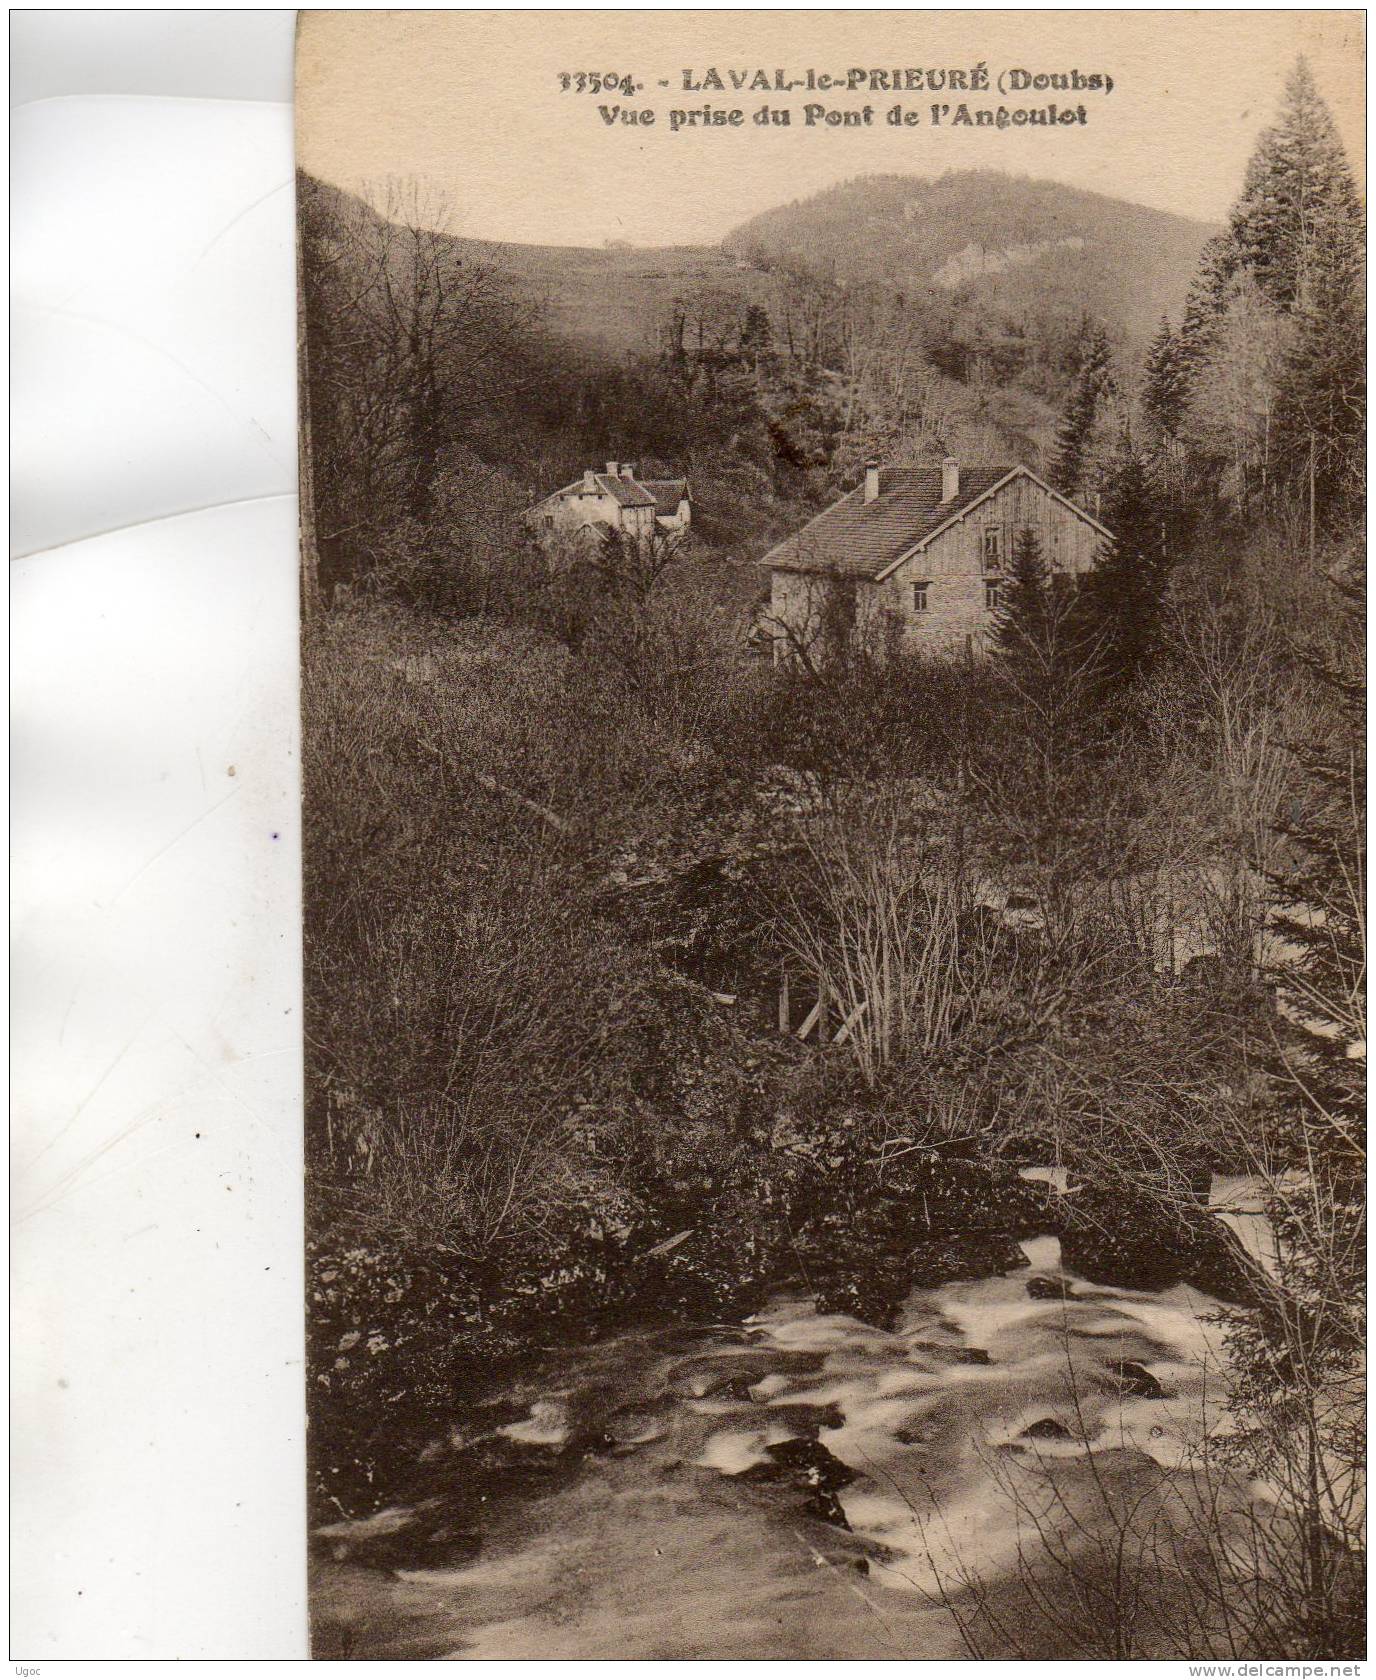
{"points": [[1040, 779], [1206, 302], [1076, 430], [1298, 194], [1040, 655], [1297, 228], [756, 336], [756, 333], [1295, 233], [1120, 609], [1165, 386], [1023, 619], [1319, 427]]}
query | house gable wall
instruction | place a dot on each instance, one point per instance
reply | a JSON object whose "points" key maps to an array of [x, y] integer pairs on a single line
{"points": [[569, 511], [680, 518], [580, 507], [953, 564]]}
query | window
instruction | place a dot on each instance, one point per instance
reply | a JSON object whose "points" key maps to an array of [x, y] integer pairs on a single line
{"points": [[920, 597], [549, 521], [993, 547], [993, 594]]}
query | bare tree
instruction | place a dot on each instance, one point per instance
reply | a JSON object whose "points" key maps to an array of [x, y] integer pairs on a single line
{"points": [[410, 339]]}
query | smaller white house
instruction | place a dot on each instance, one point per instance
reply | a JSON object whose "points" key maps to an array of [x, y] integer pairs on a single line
{"points": [[615, 501]]}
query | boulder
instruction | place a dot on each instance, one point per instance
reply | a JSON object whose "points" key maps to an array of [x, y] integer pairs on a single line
{"points": [[1123, 1252], [1137, 1380], [1111, 1237], [1046, 1429], [1049, 1289], [972, 1255], [872, 1291], [807, 1418], [807, 1467]]}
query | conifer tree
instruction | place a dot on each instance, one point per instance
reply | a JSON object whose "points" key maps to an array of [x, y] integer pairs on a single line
{"points": [[1299, 228], [1295, 234], [1319, 429], [1120, 609], [1076, 430], [1023, 618], [756, 332], [1297, 196], [1036, 782], [1206, 302], [1165, 386]]}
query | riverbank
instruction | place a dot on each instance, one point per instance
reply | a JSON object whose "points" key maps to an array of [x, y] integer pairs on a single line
{"points": [[401, 1349], [810, 1485]]}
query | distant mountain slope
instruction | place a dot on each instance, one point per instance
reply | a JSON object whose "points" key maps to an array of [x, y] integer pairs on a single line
{"points": [[1025, 246]]}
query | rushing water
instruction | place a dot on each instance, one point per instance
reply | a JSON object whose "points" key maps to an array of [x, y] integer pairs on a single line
{"points": [[806, 1486]]}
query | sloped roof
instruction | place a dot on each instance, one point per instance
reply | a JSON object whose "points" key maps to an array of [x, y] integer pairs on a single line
{"points": [[662, 494], [856, 538], [667, 492], [625, 491]]}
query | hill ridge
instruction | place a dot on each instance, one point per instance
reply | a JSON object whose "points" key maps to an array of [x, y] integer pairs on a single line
{"points": [[1124, 263]]}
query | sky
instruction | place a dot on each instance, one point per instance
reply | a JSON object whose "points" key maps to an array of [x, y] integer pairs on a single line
{"points": [[469, 105]]}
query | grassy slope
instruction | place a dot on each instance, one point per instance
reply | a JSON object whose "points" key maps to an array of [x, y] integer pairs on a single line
{"points": [[615, 300]]}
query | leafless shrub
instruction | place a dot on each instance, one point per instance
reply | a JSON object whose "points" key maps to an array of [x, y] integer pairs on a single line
{"points": [[1115, 1556], [482, 1173], [880, 908]]}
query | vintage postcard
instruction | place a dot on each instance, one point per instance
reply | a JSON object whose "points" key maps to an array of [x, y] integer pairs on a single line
{"points": [[833, 692]]}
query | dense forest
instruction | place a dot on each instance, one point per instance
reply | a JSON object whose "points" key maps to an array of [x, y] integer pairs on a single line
{"points": [[1101, 896]]}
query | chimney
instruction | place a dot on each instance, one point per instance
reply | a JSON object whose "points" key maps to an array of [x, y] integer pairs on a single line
{"points": [[950, 479], [612, 468], [589, 482], [871, 480], [628, 469]]}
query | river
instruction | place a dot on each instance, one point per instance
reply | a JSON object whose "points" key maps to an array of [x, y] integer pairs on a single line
{"points": [[1014, 1470]]}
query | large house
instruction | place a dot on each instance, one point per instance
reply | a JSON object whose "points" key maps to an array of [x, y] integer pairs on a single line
{"points": [[919, 556], [616, 501]]}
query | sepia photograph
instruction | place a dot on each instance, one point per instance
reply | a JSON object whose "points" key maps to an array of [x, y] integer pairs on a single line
{"points": [[833, 713]]}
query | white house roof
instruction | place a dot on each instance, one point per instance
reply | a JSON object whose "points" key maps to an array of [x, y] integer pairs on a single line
{"points": [[663, 494]]}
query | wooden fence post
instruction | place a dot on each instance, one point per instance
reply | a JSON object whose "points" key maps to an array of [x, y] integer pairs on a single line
{"points": [[783, 1001], [849, 1023]]}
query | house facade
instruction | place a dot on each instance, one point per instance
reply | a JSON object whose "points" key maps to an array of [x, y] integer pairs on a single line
{"points": [[919, 557], [615, 501]]}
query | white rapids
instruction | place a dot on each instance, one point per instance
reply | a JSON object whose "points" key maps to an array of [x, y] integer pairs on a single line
{"points": [[808, 1486]]}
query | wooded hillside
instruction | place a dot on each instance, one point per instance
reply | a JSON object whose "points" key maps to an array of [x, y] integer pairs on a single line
{"points": [[1022, 253]]}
